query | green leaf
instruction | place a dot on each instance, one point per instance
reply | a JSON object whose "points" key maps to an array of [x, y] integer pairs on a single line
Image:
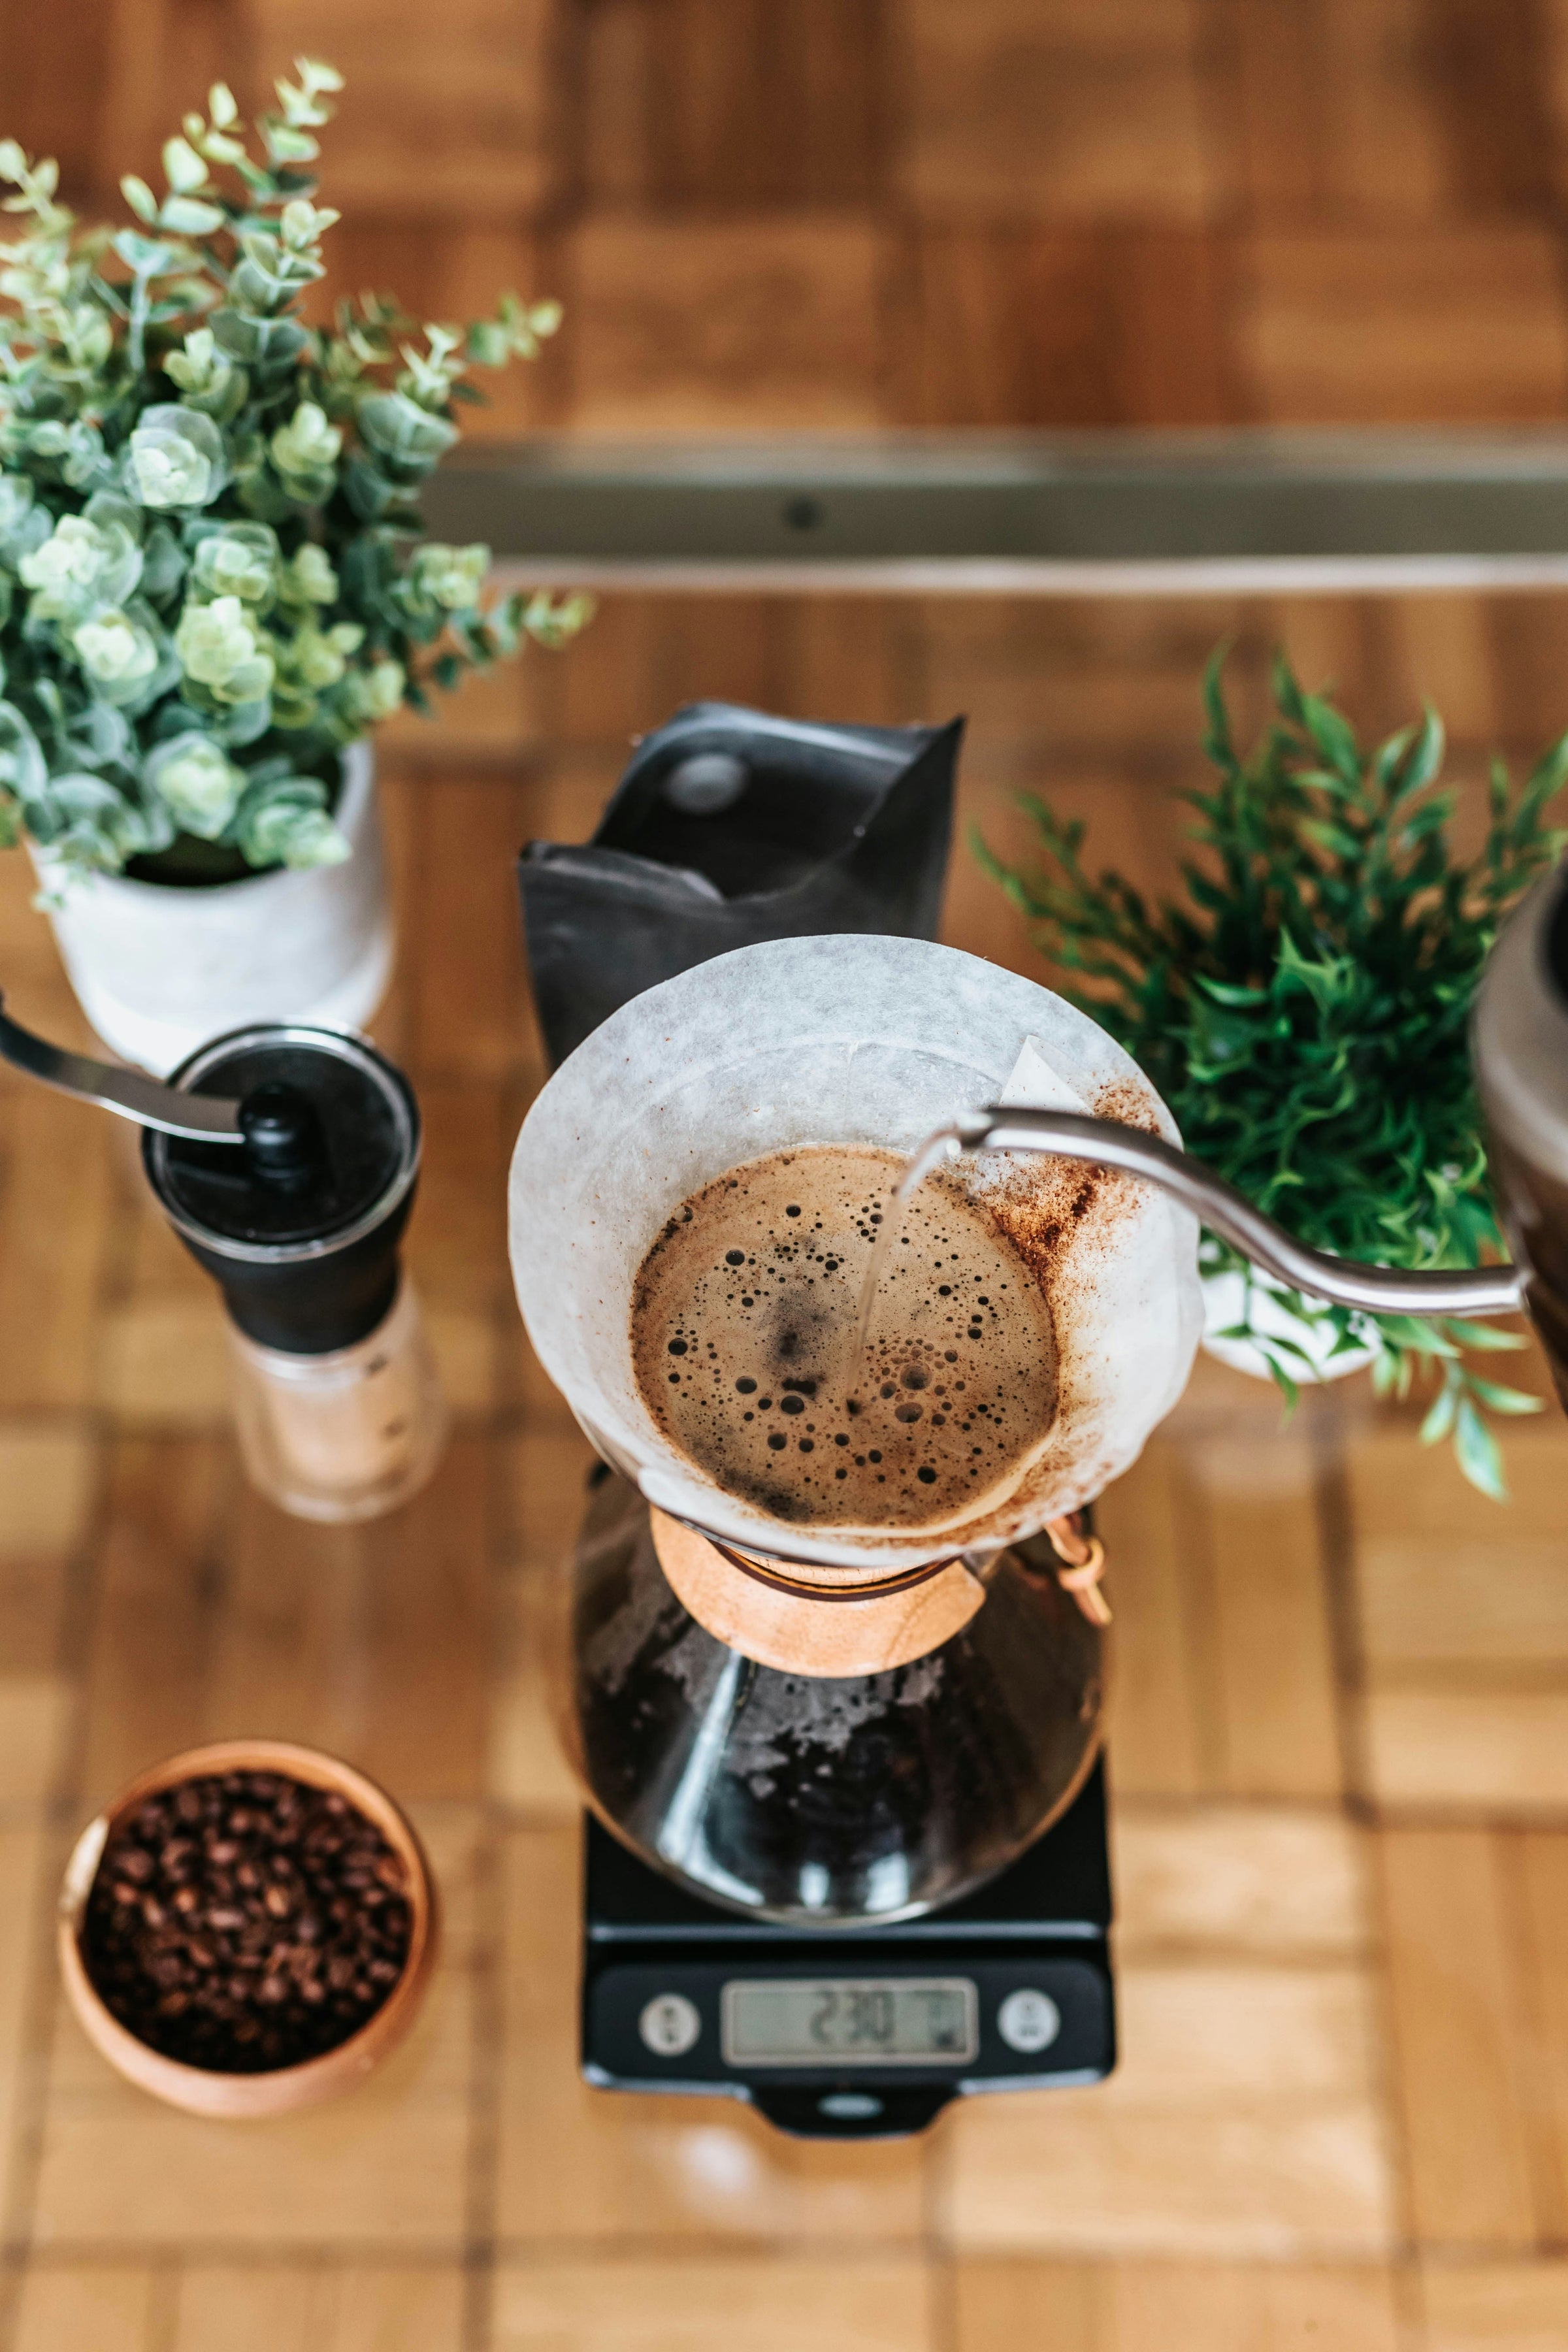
{"points": [[1499, 1399], [1477, 1454], [1485, 1336], [1439, 1419]]}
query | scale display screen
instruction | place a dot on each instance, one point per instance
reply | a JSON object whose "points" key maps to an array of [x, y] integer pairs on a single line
{"points": [[849, 2021]]}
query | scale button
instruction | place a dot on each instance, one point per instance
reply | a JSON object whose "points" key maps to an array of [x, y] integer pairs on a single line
{"points": [[669, 2025], [1028, 2020]]}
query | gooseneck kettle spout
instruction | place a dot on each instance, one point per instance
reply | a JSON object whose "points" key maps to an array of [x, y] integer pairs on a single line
{"points": [[1371, 1289]]}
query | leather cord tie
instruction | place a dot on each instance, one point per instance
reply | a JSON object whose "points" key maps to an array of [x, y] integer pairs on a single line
{"points": [[1084, 1565]]}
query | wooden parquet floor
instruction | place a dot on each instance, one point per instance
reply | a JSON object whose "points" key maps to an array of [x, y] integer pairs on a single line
{"points": [[1341, 1741], [1340, 1749], [831, 215]]}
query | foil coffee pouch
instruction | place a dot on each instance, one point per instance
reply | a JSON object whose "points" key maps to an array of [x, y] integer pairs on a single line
{"points": [[731, 827]]}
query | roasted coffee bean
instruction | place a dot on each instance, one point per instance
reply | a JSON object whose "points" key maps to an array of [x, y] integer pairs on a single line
{"points": [[181, 1931]]}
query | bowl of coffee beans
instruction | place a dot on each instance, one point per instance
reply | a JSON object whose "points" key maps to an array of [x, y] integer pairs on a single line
{"points": [[249, 1929]]}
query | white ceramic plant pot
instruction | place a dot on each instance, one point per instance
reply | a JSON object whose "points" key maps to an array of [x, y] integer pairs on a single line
{"points": [[159, 968], [1225, 1304]]}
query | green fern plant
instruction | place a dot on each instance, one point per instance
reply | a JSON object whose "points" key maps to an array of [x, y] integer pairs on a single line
{"points": [[1303, 1009]]}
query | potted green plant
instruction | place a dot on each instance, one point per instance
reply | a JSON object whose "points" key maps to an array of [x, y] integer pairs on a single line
{"points": [[212, 582], [1304, 1010]]}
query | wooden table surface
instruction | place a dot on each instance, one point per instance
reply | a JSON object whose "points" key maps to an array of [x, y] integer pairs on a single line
{"points": [[1340, 1750]]}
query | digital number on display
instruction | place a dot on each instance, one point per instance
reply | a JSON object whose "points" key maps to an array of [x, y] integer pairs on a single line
{"points": [[849, 2021]]}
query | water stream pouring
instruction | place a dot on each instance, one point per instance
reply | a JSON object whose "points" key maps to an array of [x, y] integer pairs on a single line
{"points": [[286, 1159]]}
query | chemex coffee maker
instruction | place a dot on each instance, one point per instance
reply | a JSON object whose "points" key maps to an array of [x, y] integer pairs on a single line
{"points": [[848, 1856], [286, 1159]]}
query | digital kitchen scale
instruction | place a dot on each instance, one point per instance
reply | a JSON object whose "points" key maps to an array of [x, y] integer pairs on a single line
{"points": [[855, 2032]]}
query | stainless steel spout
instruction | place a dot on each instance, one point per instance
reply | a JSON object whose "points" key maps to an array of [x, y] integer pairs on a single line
{"points": [[1373, 1289]]}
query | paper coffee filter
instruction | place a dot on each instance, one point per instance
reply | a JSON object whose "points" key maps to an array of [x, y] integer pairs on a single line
{"points": [[852, 1040]]}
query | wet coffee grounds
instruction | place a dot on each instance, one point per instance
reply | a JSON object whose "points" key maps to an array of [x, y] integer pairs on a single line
{"points": [[244, 1922]]}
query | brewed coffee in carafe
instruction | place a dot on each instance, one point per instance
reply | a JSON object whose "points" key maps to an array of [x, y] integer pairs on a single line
{"points": [[818, 1700]]}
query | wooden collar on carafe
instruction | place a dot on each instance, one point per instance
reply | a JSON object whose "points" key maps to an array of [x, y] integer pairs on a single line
{"points": [[769, 1610]]}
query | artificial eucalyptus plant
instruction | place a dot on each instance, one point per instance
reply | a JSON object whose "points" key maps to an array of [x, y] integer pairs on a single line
{"points": [[1303, 1009], [212, 572]]}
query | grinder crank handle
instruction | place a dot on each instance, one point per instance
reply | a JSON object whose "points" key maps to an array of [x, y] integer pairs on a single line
{"points": [[203, 1119], [1373, 1289]]}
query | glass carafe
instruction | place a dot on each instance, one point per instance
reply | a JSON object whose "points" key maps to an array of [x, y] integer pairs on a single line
{"points": [[812, 1800]]}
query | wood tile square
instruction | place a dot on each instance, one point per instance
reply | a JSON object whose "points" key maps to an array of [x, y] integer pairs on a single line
{"points": [[1059, 2173], [528, 1767], [725, 326], [1499, 2307], [474, 1019], [27, 1901], [642, 659], [47, 1473], [253, 2310], [165, 1364], [1459, 2037], [849, 659], [1064, 326], [1503, 1750], [96, 2307], [383, 2169], [1258, 1878], [1272, 1646], [367, 1641], [456, 1237], [1214, 1552], [36, 1713], [706, 2306], [1341, 110], [1466, 328], [1199, 2032], [1174, 2307], [443, 115], [1037, 106], [324, 2309], [399, 2311], [159, 1589], [1085, 679], [547, 1488], [1536, 1868], [609, 2166], [1445, 1578], [54, 1228], [467, 1349], [1242, 2121], [732, 103]]}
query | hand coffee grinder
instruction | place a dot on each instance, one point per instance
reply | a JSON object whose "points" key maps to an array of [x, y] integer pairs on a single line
{"points": [[286, 1159], [856, 1855]]}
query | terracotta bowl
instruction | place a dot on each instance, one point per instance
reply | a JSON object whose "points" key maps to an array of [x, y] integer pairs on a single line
{"points": [[285, 2088]]}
